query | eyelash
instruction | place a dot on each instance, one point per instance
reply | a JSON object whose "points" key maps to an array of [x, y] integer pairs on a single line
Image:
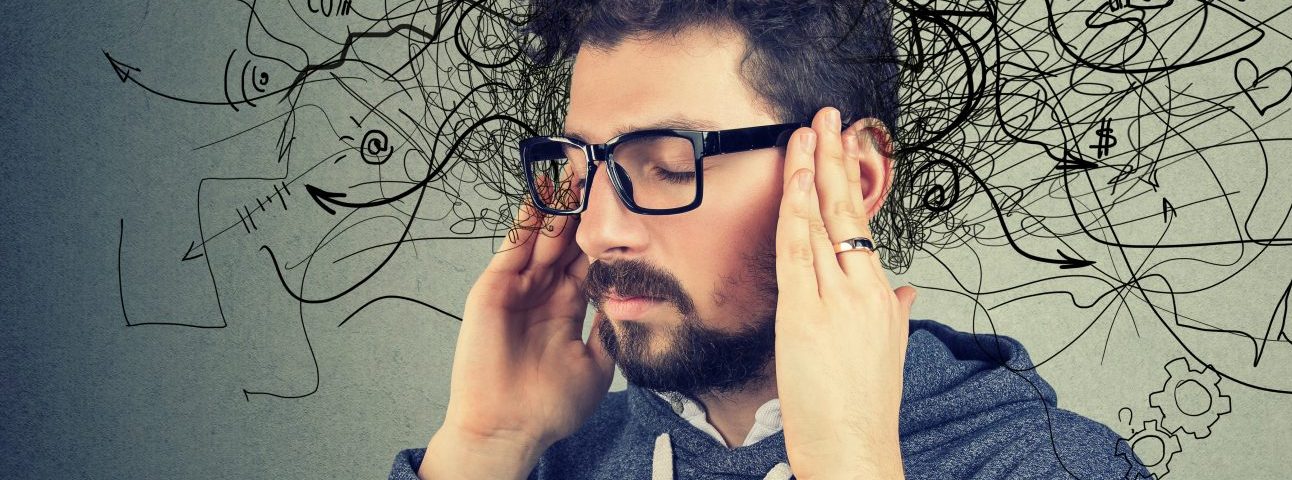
{"points": [[674, 177]]}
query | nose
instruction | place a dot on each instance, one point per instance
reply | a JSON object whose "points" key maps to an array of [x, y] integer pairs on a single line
{"points": [[607, 229]]}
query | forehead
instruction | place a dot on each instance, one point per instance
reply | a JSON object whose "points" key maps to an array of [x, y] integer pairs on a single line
{"points": [[687, 80]]}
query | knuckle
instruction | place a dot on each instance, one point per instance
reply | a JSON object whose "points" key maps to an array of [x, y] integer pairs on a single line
{"points": [[870, 296], [817, 228], [799, 253], [844, 208], [804, 210], [854, 182]]}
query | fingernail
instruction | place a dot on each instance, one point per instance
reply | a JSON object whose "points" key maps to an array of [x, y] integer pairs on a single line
{"points": [[805, 180], [832, 116], [809, 141]]}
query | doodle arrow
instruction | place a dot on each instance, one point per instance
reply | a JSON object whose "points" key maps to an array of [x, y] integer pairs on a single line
{"points": [[189, 255], [323, 197], [1069, 262], [1070, 162], [123, 70], [1066, 262]]}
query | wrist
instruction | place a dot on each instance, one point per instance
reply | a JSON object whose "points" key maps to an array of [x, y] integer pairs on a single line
{"points": [[849, 459], [454, 453], [879, 460]]}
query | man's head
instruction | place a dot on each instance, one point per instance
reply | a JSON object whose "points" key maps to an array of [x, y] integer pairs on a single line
{"points": [[710, 66]]}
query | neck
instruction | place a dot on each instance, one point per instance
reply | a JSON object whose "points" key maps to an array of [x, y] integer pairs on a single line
{"points": [[732, 413]]}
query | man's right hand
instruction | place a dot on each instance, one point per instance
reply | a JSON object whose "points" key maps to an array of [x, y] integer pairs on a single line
{"points": [[523, 378]]}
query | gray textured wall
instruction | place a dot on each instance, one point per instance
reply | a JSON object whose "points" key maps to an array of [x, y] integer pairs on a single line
{"points": [[120, 360]]}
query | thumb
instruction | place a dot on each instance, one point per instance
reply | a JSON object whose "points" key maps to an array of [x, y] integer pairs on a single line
{"points": [[906, 296]]}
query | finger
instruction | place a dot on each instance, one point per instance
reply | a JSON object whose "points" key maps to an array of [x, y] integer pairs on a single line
{"points": [[518, 245], [829, 275], [577, 264], [852, 152], [863, 266], [850, 262], [795, 270], [798, 156], [906, 297], [555, 247], [558, 230], [842, 215], [795, 267]]}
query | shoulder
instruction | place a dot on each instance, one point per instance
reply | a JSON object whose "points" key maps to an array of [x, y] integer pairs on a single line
{"points": [[974, 404], [969, 346], [945, 363]]}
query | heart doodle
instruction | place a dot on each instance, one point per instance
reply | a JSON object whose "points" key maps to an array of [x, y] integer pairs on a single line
{"points": [[1265, 90]]}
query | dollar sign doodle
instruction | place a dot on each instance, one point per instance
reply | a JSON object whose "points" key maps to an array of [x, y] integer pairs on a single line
{"points": [[1106, 139]]}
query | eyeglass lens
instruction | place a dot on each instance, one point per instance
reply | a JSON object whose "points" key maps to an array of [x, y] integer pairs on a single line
{"points": [[656, 172]]}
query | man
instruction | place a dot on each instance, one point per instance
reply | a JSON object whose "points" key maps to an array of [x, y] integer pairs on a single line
{"points": [[732, 276]]}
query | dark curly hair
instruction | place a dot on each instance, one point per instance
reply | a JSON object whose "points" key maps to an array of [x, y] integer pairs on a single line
{"points": [[800, 56]]}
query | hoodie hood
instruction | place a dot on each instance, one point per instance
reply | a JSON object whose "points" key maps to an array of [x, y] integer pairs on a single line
{"points": [[952, 376]]}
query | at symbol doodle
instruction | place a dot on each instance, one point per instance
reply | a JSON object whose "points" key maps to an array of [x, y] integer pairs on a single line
{"points": [[1265, 90], [375, 147]]}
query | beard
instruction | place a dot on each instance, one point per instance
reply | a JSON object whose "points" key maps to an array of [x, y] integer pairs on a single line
{"points": [[694, 359]]}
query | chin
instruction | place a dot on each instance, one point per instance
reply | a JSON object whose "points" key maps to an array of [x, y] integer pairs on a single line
{"points": [[640, 342]]}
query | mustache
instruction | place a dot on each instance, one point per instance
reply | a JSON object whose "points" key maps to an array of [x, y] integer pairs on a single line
{"points": [[633, 278]]}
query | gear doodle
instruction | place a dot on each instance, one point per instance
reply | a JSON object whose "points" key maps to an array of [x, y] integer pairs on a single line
{"points": [[1166, 400], [1154, 447]]}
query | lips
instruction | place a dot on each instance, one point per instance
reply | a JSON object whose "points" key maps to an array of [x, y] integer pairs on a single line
{"points": [[628, 308]]}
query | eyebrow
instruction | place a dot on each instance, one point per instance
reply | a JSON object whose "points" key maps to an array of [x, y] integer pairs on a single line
{"points": [[681, 122]]}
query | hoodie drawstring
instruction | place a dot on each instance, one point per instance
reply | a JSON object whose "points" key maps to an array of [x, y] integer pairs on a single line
{"points": [[662, 462]]}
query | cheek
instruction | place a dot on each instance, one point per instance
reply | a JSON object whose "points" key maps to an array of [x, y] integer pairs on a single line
{"points": [[713, 240], [745, 205]]}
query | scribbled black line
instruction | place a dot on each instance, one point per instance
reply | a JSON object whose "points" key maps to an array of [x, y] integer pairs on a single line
{"points": [[396, 297]]}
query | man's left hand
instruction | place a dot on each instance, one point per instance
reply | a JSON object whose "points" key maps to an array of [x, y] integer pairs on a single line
{"points": [[841, 330]]}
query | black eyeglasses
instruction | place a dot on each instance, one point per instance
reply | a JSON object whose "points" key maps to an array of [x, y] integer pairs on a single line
{"points": [[654, 172]]}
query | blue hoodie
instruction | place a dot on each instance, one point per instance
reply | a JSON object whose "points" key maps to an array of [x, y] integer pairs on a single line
{"points": [[972, 407]]}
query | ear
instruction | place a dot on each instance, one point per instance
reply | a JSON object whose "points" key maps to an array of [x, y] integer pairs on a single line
{"points": [[876, 163]]}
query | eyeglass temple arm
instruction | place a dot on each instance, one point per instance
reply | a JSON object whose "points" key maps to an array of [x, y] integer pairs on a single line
{"points": [[753, 138]]}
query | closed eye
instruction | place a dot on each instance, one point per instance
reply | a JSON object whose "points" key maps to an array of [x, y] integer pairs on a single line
{"points": [[674, 177]]}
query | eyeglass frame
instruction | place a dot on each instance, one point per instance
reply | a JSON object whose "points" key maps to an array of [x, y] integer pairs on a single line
{"points": [[704, 143]]}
